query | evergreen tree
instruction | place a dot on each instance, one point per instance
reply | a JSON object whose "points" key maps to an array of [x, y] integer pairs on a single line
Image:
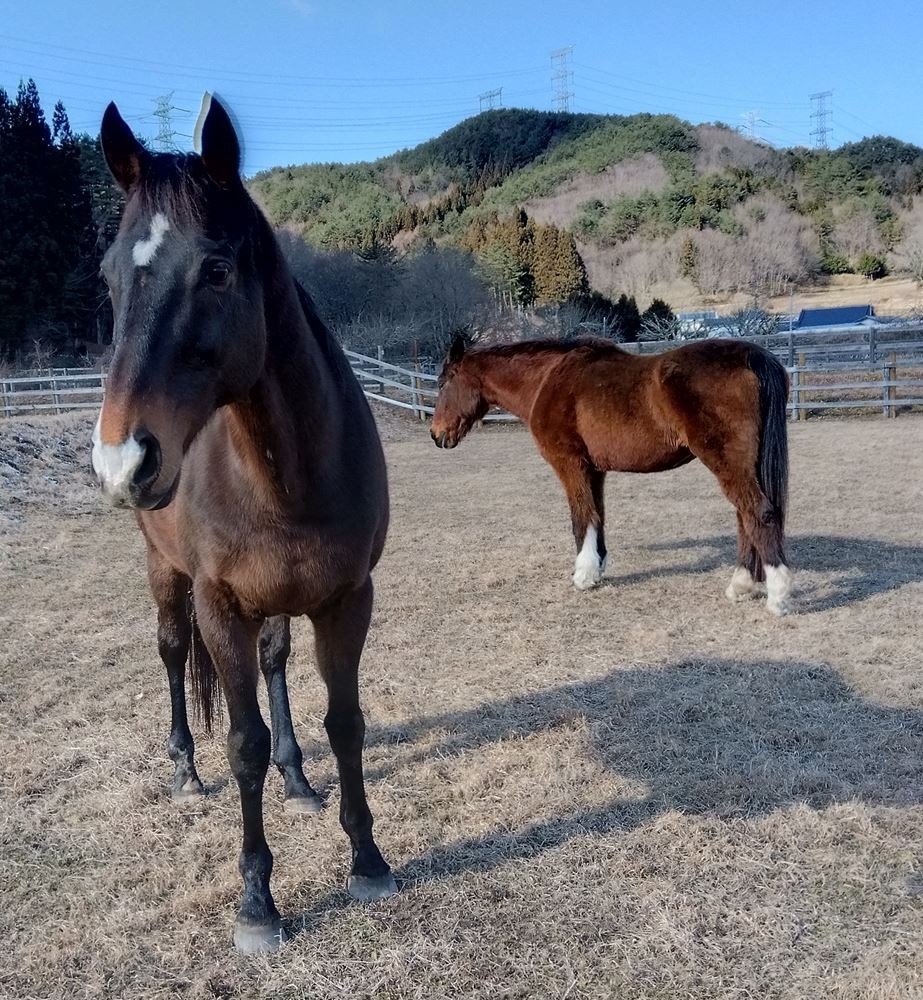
{"points": [[51, 185], [627, 318], [557, 268]]}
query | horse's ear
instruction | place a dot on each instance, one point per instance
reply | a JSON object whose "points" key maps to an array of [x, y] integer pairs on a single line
{"points": [[216, 140], [121, 150], [457, 350]]}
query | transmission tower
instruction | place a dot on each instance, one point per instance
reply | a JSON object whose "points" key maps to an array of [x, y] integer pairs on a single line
{"points": [[491, 99], [165, 140], [749, 126], [562, 78], [820, 112]]}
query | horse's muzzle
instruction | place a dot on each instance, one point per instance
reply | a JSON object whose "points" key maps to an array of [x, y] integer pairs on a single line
{"points": [[130, 472], [443, 440]]}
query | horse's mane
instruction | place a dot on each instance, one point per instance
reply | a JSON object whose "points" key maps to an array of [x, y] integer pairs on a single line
{"points": [[545, 345]]}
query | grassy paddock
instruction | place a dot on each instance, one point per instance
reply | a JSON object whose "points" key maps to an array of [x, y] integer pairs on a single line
{"points": [[639, 792]]}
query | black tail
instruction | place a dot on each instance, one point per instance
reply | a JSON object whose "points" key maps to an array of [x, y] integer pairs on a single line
{"points": [[206, 691], [772, 463]]}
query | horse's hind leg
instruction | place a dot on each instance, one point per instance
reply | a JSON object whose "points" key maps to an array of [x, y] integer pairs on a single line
{"points": [[749, 572], [761, 538], [339, 636], [767, 536], [171, 592], [275, 644]]}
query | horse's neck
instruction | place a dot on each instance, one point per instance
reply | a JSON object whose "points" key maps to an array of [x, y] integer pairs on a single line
{"points": [[292, 415], [512, 381]]}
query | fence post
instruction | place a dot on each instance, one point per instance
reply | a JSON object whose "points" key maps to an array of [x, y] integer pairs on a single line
{"points": [[417, 397], [381, 357], [54, 395], [872, 345], [802, 413], [889, 391], [7, 409], [791, 349]]}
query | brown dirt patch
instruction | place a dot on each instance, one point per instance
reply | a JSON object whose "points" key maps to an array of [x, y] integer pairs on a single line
{"points": [[638, 792]]}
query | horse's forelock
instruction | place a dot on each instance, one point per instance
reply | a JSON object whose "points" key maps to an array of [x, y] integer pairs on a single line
{"points": [[179, 186]]}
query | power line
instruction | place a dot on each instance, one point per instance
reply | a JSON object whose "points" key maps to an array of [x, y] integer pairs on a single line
{"points": [[491, 99], [253, 78]]}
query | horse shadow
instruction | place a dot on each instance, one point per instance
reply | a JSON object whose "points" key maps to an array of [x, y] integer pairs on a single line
{"points": [[854, 569], [726, 739]]}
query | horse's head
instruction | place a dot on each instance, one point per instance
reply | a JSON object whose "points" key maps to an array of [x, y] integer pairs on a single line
{"points": [[460, 403], [190, 330]]}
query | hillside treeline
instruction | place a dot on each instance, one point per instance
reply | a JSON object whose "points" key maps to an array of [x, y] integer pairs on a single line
{"points": [[572, 218], [650, 201]]}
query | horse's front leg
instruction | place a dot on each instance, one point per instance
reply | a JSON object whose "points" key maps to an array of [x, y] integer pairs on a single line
{"points": [[339, 636], [275, 644], [584, 488], [231, 640], [171, 593]]}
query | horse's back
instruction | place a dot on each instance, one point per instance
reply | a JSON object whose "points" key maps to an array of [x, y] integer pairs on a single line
{"points": [[596, 402], [647, 413]]}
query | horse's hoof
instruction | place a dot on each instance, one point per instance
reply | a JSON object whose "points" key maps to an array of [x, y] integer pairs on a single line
{"points": [[742, 586], [190, 791], [303, 804], [736, 596], [586, 579], [366, 888], [256, 939], [779, 608]]}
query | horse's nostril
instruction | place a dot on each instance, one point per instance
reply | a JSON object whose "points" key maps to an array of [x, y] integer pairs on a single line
{"points": [[149, 469]]}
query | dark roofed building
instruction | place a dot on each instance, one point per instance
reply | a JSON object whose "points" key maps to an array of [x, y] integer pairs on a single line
{"points": [[834, 316]]}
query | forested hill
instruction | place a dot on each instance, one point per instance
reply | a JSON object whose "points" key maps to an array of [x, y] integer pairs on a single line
{"points": [[651, 200]]}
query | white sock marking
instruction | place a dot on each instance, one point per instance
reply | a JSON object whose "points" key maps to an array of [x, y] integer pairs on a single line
{"points": [[742, 585], [588, 570], [143, 251], [115, 464], [778, 589]]}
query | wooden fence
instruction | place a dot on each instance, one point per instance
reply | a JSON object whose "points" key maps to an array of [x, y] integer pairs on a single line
{"points": [[870, 378], [829, 346]]}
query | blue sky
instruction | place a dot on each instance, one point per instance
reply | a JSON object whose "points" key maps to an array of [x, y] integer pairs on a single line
{"points": [[317, 80]]}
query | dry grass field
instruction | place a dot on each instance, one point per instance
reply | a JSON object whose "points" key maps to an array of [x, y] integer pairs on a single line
{"points": [[639, 792]]}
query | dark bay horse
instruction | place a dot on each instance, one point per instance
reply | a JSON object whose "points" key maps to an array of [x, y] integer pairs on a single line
{"points": [[594, 408], [234, 427]]}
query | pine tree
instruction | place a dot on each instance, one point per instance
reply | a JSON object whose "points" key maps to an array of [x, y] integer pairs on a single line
{"points": [[626, 318], [688, 258]]}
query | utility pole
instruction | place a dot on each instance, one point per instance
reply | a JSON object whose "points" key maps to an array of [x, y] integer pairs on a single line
{"points": [[491, 99], [749, 126], [820, 112], [165, 140], [562, 78]]}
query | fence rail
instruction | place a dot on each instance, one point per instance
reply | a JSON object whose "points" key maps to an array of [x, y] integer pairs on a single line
{"points": [[891, 383]]}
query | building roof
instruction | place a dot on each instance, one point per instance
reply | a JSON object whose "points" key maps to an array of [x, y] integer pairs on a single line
{"points": [[834, 316]]}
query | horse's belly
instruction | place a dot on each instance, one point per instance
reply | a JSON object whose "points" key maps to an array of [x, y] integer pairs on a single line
{"points": [[293, 580], [637, 450]]}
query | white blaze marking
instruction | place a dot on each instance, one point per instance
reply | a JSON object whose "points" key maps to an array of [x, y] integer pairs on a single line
{"points": [[778, 589], [144, 250], [588, 570], [742, 585], [115, 464]]}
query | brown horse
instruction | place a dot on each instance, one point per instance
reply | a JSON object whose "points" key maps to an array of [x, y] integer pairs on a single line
{"points": [[594, 408], [233, 425]]}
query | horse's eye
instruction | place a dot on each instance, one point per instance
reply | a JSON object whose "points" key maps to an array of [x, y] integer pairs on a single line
{"points": [[217, 272]]}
